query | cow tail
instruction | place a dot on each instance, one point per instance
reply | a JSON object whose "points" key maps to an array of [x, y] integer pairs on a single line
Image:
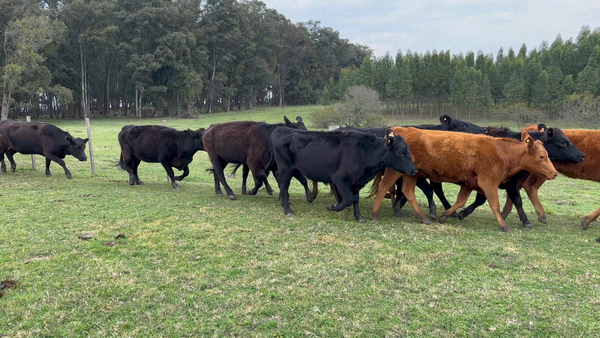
{"points": [[263, 173], [120, 164], [376, 181]]}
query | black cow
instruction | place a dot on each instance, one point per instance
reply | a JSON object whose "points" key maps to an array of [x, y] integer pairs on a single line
{"points": [[347, 159], [42, 139], [560, 149], [246, 143], [157, 144]]}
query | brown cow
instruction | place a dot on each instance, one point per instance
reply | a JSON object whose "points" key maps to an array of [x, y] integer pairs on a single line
{"points": [[475, 162], [587, 141]]}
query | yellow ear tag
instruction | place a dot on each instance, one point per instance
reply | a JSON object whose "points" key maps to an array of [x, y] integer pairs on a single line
{"points": [[296, 121], [445, 119], [527, 140], [389, 141]]}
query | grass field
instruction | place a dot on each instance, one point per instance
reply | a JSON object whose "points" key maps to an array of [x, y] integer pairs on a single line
{"points": [[194, 264]]}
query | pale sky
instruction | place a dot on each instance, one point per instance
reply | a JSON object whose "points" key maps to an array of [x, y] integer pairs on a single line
{"points": [[458, 25]]}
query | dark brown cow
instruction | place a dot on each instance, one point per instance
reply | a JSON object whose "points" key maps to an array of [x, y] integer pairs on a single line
{"points": [[243, 142], [587, 141], [42, 139], [474, 162]]}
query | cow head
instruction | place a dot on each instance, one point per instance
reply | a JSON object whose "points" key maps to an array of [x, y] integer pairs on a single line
{"points": [[197, 137], [461, 126], [298, 124], [397, 155], [536, 159], [77, 147], [559, 146]]}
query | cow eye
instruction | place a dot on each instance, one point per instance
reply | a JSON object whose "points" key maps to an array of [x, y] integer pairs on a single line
{"points": [[543, 157]]}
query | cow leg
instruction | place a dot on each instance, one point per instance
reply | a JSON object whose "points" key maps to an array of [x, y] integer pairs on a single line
{"points": [[479, 201], [357, 213], [426, 188], [315, 189], [217, 185], [245, 170], [507, 207], [400, 199], [171, 174], [491, 193], [60, 162], [284, 177], [335, 193], [135, 163], [389, 179], [463, 197], [268, 187], [2, 164], [302, 179], [258, 181], [48, 161], [512, 190], [408, 188], [218, 166], [186, 172], [345, 193], [9, 155], [532, 186], [585, 223], [439, 192]]}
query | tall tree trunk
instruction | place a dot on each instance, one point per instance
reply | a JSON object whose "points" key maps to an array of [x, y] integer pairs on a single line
{"points": [[5, 100]]}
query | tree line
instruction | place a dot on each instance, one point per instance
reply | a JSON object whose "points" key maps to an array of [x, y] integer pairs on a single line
{"points": [[550, 79], [75, 58]]}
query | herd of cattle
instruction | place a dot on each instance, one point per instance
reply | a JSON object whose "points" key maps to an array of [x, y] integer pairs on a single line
{"points": [[398, 158]]}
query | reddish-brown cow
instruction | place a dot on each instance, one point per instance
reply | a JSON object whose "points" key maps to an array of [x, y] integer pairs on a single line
{"points": [[587, 141], [475, 162]]}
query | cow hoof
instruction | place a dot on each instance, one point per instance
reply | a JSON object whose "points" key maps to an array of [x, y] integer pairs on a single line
{"points": [[454, 215], [270, 192], [585, 223], [69, 176], [443, 219], [291, 213], [426, 221], [139, 183], [461, 216], [506, 229], [504, 214], [330, 207], [542, 219], [219, 193], [231, 197], [13, 169], [398, 214], [309, 198], [360, 220], [433, 216], [528, 226], [48, 175], [176, 186], [374, 218]]}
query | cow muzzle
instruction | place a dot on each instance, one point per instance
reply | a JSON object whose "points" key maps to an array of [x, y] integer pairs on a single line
{"points": [[414, 172]]}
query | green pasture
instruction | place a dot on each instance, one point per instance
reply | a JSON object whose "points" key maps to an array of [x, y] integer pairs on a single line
{"points": [[194, 264]]}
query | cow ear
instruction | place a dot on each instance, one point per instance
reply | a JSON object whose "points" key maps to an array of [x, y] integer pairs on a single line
{"points": [[389, 133], [299, 119], [70, 139], [525, 137], [85, 140], [286, 120], [542, 127], [445, 119]]}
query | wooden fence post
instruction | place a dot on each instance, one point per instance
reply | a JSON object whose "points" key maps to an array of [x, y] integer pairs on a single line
{"points": [[89, 132], [32, 156]]}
